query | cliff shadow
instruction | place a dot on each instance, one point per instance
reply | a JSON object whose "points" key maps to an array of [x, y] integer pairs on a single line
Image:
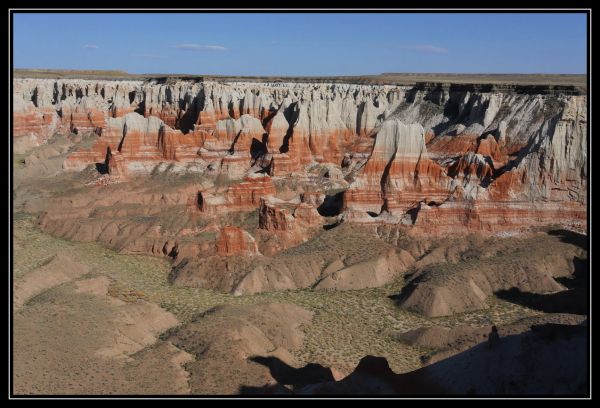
{"points": [[268, 117], [327, 227], [285, 374], [258, 148], [486, 369], [372, 376], [102, 168], [188, 120], [580, 277], [571, 237], [489, 368], [568, 301], [406, 290], [285, 146], [572, 300], [332, 205]]}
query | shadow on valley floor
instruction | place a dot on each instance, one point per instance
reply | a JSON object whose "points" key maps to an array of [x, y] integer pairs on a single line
{"points": [[332, 205], [372, 376], [568, 301], [285, 374], [581, 275], [327, 227], [571, 237], [550, 359], [573, 300], [102, 168], [406, 291]]}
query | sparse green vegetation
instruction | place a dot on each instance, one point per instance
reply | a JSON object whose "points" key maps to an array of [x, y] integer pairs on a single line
{"points": [[247, 220], [19, 160], [347, 325]]}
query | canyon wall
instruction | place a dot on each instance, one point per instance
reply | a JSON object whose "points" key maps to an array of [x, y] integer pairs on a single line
{"points": [[437, 157]]}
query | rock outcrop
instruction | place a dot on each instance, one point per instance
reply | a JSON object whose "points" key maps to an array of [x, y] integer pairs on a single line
{"points": [[482, 188], [398, 174], [308, 122], [531, 144], [140, 141], [243, 196], [341, 258], [235, 241]]}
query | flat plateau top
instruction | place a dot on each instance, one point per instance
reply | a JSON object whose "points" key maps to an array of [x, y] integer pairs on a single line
{"points": [[574, 80]]}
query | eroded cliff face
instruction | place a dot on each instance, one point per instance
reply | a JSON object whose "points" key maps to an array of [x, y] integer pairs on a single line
{"points": [[291, 159], [314, 120]]}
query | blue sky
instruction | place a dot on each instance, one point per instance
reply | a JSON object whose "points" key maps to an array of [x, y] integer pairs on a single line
{"points": [[302, 44]]}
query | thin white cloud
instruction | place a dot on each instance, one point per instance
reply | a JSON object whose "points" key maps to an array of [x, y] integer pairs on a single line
{"points": [[200, 47], [91, 46], [429, 48], [149, 56]]}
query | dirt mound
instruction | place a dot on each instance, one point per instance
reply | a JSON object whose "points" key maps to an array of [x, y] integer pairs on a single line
{"points": [[372, 273], [441, 337], [230, 341], [94, 344], [345, 257], [136, 326], [447, 342], [60, 269], [529, 264]]}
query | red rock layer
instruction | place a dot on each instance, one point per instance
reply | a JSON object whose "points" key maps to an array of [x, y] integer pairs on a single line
{"points": [[177, 146], [244, 196], [471, 166], [410, 182], [284, 216], [247, 194], [453, 145], [284, 224], [169, 115], [282, 164], [273, 217], [465, 172], [207, 119], [294, 154], [36, 122], [138, 139], [397, 176], [496, 216], [117, 112], [82, 119], [277, 128], [307, 215], [115, 163], [328, 146], [545, 184], [232, 142], [235, 241]]}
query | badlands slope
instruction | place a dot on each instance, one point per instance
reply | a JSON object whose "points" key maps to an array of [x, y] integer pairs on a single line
{"points": [[433, 200]]}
